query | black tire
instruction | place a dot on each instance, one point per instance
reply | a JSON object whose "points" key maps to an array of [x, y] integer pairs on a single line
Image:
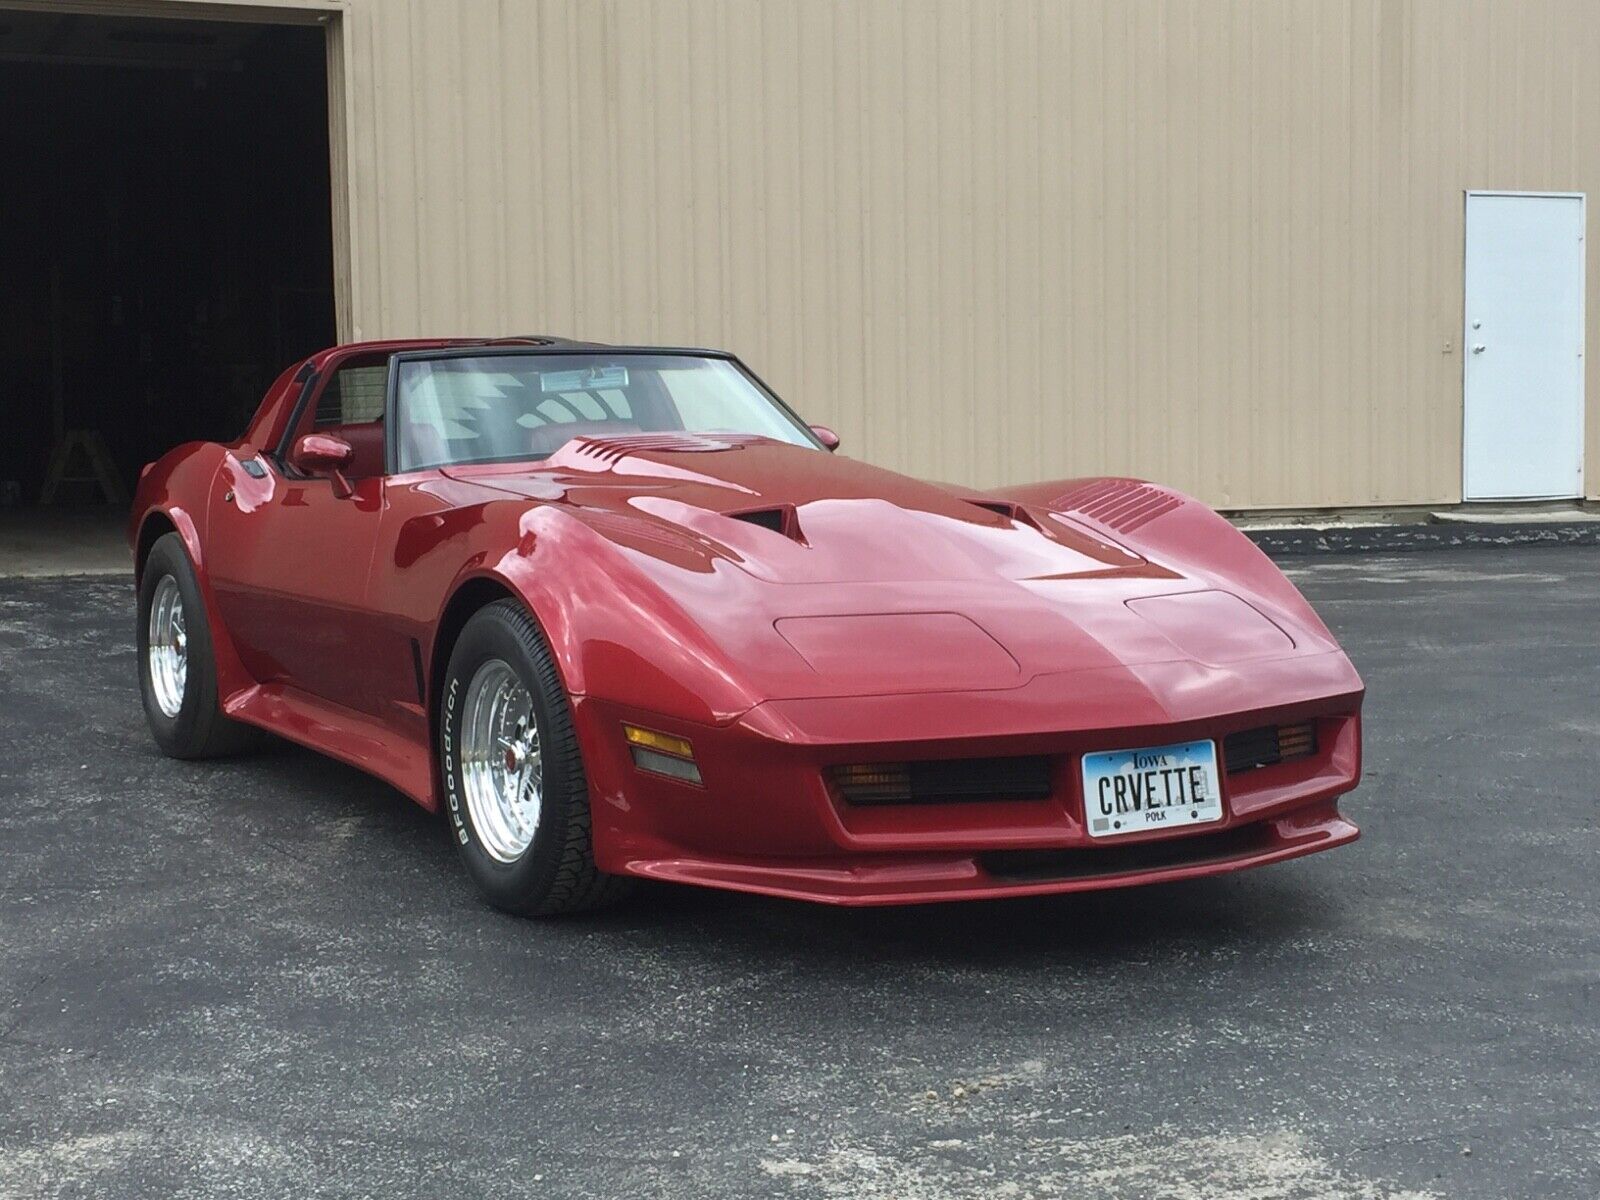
{"points": [[556, 873], [198, 729]]}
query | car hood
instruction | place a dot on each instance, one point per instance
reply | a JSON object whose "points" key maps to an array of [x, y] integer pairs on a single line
{"points": [[823, 575], [790, 515]]}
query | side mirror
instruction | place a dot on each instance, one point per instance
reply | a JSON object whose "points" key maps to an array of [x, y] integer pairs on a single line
{"points": [[324, 454], [828, 438]]}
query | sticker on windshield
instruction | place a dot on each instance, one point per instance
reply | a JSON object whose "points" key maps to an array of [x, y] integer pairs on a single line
{"points": [[588, 379]]}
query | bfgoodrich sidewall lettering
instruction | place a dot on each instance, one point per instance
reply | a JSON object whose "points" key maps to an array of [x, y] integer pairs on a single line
{"points": [[452, 787]]}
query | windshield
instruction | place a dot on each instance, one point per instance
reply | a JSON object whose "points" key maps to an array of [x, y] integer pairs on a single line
{"points": [[507, 408]]}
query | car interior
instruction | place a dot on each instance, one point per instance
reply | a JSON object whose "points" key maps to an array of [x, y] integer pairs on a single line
{"points": [[351, 407], [444, 427], [470, 410], [462, 410]]}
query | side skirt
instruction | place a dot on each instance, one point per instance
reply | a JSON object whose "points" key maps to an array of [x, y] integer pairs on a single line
{"points": [[341, 733]]}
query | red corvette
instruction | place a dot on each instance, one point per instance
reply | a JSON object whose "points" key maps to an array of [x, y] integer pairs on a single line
{"points": [[621, 613]]}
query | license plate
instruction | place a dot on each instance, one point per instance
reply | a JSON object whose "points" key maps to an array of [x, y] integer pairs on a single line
{"points": [[1159, 787]]}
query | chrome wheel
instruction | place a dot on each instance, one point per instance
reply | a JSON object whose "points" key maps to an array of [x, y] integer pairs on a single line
{"points": [[168, 650], [502, 770]]}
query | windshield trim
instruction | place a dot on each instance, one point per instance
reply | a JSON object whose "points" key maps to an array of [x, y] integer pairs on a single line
{"points": [[391, 403]]}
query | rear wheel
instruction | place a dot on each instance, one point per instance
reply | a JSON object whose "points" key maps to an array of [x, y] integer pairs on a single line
{"points": [[515, 789], [177, 671]]}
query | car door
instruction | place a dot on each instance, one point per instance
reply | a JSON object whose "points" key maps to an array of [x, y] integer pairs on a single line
{"points": [[289, 554]]}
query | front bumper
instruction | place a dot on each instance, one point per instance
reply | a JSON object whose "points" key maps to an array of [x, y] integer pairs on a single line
{"points": [[767, 820], [921, 878]]}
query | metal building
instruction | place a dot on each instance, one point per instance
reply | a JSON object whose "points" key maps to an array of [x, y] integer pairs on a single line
{"points": [[1298, 254]]}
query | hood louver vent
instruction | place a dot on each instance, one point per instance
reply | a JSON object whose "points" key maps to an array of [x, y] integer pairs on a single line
{"points": [[1120, 504], [612, 450]]}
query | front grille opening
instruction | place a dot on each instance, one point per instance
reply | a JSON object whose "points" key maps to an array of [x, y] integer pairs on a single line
{"points": [[1187, 850], [943, 781], [1253, 748]]}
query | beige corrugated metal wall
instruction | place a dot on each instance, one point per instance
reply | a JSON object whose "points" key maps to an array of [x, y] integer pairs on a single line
{"points": [[1218, 244]]}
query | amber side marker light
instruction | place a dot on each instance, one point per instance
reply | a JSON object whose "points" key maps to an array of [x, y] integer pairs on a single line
{"points": [[662, 754]]}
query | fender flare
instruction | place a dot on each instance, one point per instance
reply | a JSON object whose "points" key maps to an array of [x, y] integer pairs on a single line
{"points": [[611, 628], [232, 677]]}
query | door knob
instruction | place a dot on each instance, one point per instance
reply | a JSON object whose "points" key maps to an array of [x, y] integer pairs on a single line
{"points": [[1479, 348]]}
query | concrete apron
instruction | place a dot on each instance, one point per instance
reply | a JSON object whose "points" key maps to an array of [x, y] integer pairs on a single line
{"points": [[1377, 531], [42, 542]]}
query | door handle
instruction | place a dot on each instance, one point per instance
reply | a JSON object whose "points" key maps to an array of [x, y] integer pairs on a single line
{"points": [[1479, 348]]}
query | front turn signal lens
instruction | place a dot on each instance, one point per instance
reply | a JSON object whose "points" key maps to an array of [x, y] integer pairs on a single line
{"points": [[664, 742], [662, 754]]}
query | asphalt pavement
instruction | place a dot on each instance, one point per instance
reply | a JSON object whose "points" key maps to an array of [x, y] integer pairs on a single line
{"points": [[269, 978]]}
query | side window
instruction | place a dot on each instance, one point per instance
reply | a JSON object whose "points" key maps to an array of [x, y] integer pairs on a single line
{"points": [[350, 406], [354, 396]]}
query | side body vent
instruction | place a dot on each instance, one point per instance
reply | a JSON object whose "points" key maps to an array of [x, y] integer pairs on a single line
{"points": [[1120, 504]]}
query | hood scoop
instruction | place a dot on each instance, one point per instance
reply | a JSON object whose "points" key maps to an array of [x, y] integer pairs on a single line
{"points": [[780, 519], [1011, 511]]}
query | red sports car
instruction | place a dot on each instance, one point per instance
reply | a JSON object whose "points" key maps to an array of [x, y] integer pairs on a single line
{"points": [[621, 613]]}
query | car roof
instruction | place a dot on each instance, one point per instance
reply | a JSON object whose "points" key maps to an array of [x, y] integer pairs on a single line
{"points": [[465, 345], [391, 345]]}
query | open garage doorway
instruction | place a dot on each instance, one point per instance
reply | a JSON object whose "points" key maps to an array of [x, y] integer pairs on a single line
{"points": [[166, 242]]}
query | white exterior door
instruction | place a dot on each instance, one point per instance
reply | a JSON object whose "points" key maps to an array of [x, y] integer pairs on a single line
{"points": [[1524, 347]]}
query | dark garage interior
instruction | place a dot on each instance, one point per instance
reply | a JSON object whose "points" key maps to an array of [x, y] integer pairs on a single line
{"points": [[166, 241]]}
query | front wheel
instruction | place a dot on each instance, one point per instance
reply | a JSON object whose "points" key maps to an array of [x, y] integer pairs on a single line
{"points": [[177, 671], [515, 790]]}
